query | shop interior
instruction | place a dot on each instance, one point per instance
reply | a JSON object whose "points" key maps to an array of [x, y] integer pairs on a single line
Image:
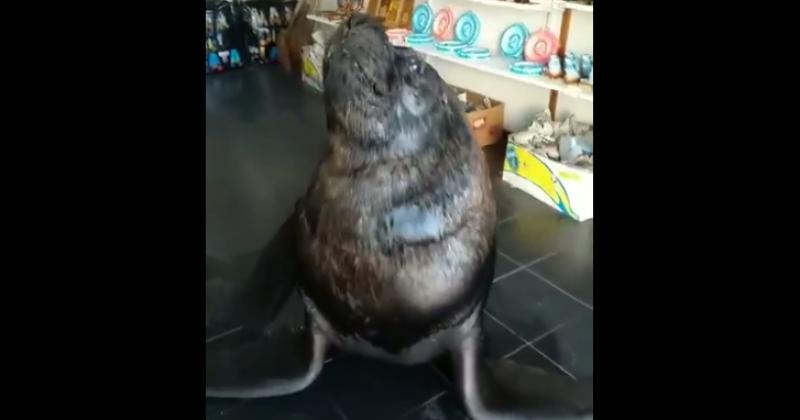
{"points": [[523, 71]]}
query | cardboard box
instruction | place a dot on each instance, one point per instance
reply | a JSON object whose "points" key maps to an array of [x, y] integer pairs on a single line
{"points": [[486, 124], [567, 189]]}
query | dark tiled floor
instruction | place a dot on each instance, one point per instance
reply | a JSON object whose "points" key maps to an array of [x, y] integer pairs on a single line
{"points": [[264, 132]]}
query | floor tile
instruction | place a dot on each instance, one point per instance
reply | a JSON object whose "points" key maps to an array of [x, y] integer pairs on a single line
{"points": [[310, 404], [529, 306], [528, 356], [498, 341], [367, 389], [219, 408], [527, 238], [445, 407], [572, 346], [503, 265], [571, 271]]}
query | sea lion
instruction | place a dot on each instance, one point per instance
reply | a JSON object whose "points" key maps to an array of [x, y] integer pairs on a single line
{"points": [[395, 243]]}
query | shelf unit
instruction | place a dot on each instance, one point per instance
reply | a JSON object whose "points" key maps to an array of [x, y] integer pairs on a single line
{"points": [[497, 65]]}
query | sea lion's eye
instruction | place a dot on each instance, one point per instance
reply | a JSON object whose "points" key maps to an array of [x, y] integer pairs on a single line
{"points": [[414, 66]]}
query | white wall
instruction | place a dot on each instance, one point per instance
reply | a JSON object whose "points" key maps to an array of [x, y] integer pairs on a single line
{"points": [[522, 101]]}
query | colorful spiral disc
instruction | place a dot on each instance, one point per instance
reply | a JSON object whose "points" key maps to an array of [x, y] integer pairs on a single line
{"points": [[473, 52], [419, 39], [512, 42], [468, 27], [449, 46], [422, 19], [540, 46], [443, 24], [526, 67]]}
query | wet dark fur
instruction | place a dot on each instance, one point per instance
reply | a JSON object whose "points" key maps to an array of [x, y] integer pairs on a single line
{"points": [[400, 155]]}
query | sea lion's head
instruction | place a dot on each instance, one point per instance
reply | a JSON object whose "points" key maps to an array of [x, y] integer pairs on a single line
{"points": [[374, 90]]}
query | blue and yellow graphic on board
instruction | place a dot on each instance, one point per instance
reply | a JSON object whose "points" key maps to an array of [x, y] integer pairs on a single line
{"points": [[530, 167]]}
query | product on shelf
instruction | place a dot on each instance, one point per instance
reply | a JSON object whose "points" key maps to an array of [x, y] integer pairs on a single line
{"points": [[214, 63], [443, 24], [236, 60], [397, 36], [422, 19], [466, 32], [554, 66], [567, 141], [572, 73], [526, 67], [468, 27], [473, 52], [577, 150], [224, 56], [245, 32], [449, 46], [540, 46], [512, 41], [416, 38], [586, 65]]}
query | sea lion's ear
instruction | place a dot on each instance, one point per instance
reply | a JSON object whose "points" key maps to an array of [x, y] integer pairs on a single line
{"points": [[444, 98]]}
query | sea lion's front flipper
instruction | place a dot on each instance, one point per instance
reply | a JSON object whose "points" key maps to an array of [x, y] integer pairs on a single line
{"points": [[502, 389], [276, 362]]}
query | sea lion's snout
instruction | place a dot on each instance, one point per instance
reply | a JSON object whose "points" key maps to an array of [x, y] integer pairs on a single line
{"points": [[358, 60], [375, 90]]}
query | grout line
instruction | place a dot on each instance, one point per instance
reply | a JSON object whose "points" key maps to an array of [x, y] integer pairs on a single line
{"points": [[540, 259], [226, 333], [550, 331], [501, 277], [537, 260], [507, 257], [506, 219], [439, 372], [515, 351], [338, 409], [562, 368], [514, 333], [527, 343], [428, 401], [555, 286], [520, 265]]}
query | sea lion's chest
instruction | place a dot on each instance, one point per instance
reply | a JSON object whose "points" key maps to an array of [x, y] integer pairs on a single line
{"points": [[394, 253]]}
